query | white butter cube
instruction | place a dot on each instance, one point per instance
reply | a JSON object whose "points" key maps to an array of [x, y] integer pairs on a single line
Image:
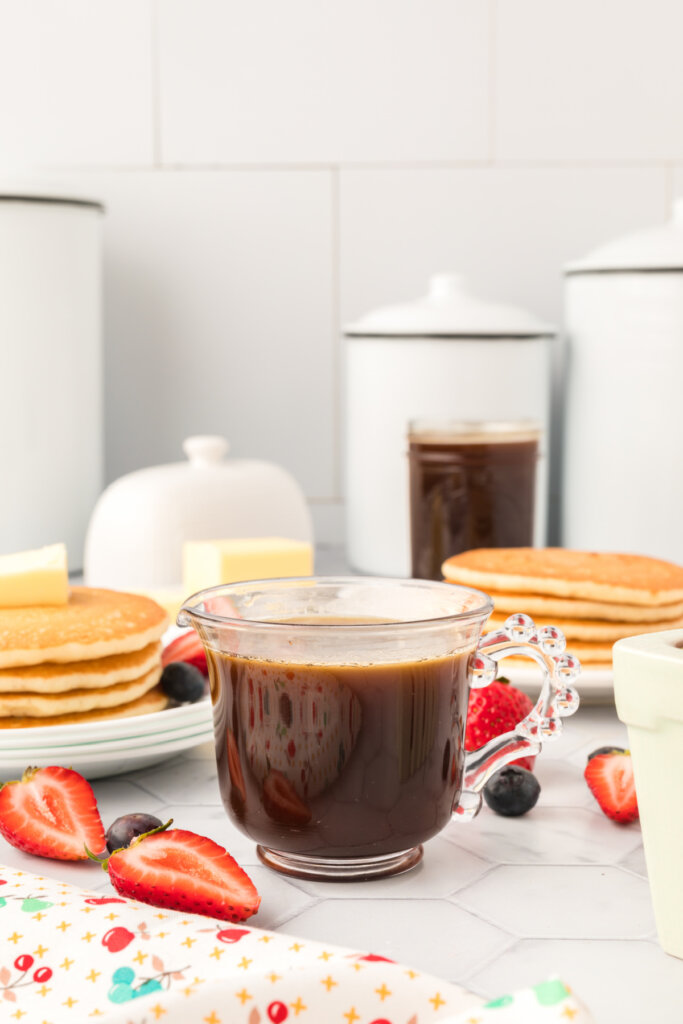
{"points": [[34, 577], [208, 563]]}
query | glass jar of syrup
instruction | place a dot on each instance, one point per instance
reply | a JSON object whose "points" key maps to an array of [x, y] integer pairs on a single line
{"points": [[472, 485]]}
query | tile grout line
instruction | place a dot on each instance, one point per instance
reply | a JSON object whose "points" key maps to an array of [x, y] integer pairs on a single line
{"points": [[493, 81], [335, 246], [491, 959], [155, 86], [474, 164]]}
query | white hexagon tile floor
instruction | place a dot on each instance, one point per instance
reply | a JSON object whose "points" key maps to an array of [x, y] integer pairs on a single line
{"points": [[496, 904]]}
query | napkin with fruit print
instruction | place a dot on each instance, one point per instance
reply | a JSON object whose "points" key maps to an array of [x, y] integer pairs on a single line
{"points": [[68, 956]]}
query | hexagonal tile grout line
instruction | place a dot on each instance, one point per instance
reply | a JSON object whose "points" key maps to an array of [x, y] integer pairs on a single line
{"points": [[465, 885], [138, 785], [488, 961], [507, 940], [646, 935]]}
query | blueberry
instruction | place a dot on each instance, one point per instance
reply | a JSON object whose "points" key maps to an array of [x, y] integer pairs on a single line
{"points": [[183, 683], [605, 750], [122, 831], [512, 791]]}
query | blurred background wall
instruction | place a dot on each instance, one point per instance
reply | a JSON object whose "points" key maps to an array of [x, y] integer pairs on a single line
{"points": [[273, 169]]}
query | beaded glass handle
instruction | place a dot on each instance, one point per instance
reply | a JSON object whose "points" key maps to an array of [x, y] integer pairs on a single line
{"points": [[557, 699]]}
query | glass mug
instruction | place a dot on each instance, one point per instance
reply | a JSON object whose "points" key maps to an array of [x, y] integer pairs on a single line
{"points": [[339, 710]]}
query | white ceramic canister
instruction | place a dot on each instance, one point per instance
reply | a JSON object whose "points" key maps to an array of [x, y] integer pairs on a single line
{"points": [[136, 534], [623, 485], [51, 413], [450, 356]]}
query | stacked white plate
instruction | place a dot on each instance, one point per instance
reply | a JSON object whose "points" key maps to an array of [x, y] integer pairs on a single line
{"points": [[107, 747]]}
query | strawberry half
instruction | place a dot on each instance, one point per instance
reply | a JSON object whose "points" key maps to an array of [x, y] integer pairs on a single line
{"points": [[493, 710], [180, 870], [187, 647], [51, 812], [610, 780]]}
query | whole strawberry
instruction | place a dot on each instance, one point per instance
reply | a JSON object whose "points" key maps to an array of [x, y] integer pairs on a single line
{"points": [[493, 710]]}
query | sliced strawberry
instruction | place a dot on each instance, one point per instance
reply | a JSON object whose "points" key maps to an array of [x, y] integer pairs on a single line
{"points": [[187, 647], [493, 710], [610, 780], [180, 870], [282, 802], [51, 812]]}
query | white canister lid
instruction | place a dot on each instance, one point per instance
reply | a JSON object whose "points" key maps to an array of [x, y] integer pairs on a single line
{"points": [[450, 310], [27, 188], [659, 248]]}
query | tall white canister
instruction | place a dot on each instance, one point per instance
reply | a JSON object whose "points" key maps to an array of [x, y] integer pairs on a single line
{"points": [[623, 479], [452, 356], [51, 455]]}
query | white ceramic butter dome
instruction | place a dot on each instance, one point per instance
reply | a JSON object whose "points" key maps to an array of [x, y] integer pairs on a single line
{"points": [[140, 522]]}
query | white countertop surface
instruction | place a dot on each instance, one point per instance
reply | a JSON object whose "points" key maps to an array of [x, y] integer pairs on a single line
{"points": [[497, 904]]}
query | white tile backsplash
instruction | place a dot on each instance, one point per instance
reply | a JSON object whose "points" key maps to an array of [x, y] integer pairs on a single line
{"points": [[310, 81], [75, 83], [509, 230], [579, 80], [273, 170], [218, 291]]}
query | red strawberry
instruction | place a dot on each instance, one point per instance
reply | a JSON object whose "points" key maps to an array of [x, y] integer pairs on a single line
{"points": [[187, 647], [281, 801], [493, 710], [180, 870], [51, 812], [610, 780]]}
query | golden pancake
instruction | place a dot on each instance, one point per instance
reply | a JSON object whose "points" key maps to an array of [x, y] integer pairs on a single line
{"points": [[597, 576], [578, 629], [39, 705], [53, 677], [93, 624], [546, 607], [595, 654], [153, 700]]}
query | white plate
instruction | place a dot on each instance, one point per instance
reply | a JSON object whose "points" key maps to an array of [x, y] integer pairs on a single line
{"points": [[169, 722], [595, 685], [111, 747], [94, 763]]}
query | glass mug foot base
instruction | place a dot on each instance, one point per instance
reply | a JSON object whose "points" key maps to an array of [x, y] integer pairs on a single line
{"points": [[340, 869]]}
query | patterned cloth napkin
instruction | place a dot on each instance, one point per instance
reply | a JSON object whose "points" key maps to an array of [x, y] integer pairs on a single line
{"points": [[69, 956]]}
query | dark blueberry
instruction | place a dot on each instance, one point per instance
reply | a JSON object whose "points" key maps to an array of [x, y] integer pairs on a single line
{"points": [[512, 791], [183, 683], [606, 750], [122, 832]]}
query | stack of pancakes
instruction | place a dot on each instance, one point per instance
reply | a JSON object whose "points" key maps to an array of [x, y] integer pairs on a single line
{"points": [[595, 598], [98, 656]]}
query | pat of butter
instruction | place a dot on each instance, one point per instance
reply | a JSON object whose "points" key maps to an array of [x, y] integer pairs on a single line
{"points": [[208, 563], [34, 577]]}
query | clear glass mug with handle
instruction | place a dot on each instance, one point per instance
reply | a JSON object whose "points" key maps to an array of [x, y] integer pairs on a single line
{"points": [[340, 707]]}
